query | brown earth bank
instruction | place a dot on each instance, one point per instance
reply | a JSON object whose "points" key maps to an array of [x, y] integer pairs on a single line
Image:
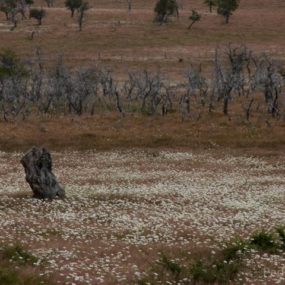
{"points": [[112, 131]]}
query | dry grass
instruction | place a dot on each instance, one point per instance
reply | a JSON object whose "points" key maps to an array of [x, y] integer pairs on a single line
{"points": [[108, 131], [17, 267], [122, 42]]}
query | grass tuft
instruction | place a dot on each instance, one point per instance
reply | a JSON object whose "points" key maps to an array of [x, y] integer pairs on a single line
{"points": [[221, 268], [18, 254], [170, 265], [281, 232], [234, 249], [25, 274], [263, 241], [220, 271], [8, 277]]}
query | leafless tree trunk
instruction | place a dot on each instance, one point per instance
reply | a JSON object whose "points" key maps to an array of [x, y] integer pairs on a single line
{"points": [[130, 6], [248, 109], [82, 10]]}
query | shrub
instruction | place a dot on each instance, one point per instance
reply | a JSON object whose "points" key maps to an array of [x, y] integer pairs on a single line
{"points": [[170, 265], [8, 277], [263, 241], [195, 17], [18, 254], [73, 5], [234, 249], [218, 271], [281, 232], [210, 4], [226, 8], [38, 14], [164, 9], [10, 65]]}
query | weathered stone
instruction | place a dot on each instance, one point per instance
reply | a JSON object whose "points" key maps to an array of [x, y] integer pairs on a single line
{"points": [[38, 167]]}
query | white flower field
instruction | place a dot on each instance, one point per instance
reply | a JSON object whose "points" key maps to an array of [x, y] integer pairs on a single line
{"points": [[125, 207]]}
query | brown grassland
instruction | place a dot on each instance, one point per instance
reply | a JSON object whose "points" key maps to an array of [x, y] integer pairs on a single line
{"points": [[111, 131], [123, 42]]}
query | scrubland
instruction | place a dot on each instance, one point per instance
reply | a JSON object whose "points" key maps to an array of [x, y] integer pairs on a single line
{"points": [[151, 199]]}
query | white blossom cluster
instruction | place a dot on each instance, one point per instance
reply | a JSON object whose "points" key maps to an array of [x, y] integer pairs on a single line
{"points": [[124, 207]]}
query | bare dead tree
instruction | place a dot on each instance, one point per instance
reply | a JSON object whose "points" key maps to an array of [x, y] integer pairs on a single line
{"points": [[222, 83], [248, 108], [13, 17], [197, 83], [167, 99], [231, 74], [256, 83], [147, 88], [14, 98], [13, 9], [23, 7], [110, 90], [185, 106], [50, 3], [268, 78]]}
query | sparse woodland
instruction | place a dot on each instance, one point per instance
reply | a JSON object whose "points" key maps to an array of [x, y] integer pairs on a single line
{"points": [[239, 83], [18, 10]]}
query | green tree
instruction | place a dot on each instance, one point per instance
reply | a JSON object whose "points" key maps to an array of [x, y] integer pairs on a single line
{"points": [[38, 14], [226, 8], [7, 7], [10, 65], [164, 9], [12, 7], [195, 17], [210, 4], [81, 13], [73, 5], [5, 10]]}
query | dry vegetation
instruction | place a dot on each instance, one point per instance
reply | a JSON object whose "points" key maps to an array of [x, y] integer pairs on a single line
{"points": [[109, 131], [125, 42]]}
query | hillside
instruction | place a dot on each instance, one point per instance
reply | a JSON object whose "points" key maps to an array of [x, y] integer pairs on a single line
{"points": [[126, 42]]}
